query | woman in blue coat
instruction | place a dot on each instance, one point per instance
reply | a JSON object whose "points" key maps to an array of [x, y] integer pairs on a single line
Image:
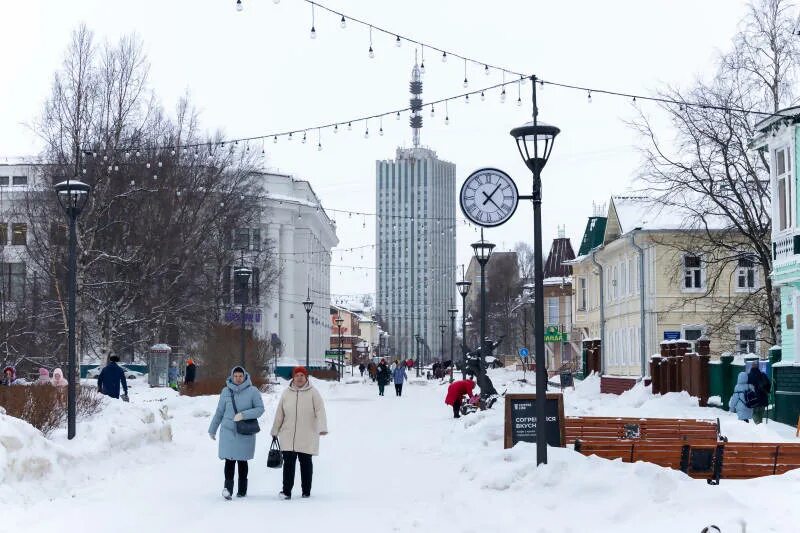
{"points": [[236, 449], [399, 375], [736, 404]]}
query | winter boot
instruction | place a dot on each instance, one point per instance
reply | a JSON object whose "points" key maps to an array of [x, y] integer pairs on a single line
{"points": [[242, 492], [228, 490], [284, 496]]}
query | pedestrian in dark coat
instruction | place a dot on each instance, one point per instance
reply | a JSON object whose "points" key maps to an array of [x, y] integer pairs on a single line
{"points": [[361, 369], [236, 449], [110, 378], [400, 376], [191, 372], [384, 376]]}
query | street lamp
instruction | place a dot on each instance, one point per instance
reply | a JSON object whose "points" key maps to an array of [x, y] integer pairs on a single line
{"points": [[442, 328], [453, 312], [339, 322], [463, 290], [483, 251], [308, 304], [242, 275], [72, 196], [535, 143]]}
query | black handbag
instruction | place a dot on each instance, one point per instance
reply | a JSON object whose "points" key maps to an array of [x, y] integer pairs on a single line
{"points": [[275, 457], [245, 427]]}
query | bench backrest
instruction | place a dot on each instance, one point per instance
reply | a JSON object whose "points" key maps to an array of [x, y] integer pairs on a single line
{"points": [[585, 427]]}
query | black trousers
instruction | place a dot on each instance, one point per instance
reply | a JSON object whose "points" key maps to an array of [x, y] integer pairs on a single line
{"points": [[380, 388], [456, 408], [230, 465], [398, 388], [306, 471]]}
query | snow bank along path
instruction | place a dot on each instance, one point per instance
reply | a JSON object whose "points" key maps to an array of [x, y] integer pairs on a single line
{"points": [[395, 464]]}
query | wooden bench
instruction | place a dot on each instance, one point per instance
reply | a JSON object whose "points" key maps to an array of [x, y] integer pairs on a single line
{"points": [[701, 459], [596, 427]]}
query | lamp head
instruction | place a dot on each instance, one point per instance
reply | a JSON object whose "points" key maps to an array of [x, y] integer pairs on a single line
{"points": [[535, 142], [483, 251], [308, 304], [453, 313], [72, 195], [463, 287]]}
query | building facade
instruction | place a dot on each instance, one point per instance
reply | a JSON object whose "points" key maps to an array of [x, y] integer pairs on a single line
{"points": [[416, 247], [636, 268]]}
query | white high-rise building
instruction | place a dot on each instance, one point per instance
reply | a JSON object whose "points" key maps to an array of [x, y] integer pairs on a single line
{"points": [[416, 243]]}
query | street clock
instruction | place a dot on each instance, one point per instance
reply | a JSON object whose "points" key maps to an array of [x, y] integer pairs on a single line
{"points": [[489, 197]]}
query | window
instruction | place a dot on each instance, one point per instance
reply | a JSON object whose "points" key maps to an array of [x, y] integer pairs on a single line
{"points": [[241, 239], [582, 293], [746, 273], [623, 279], [691, 334], [553, 317], [12, 280], [692, 272], [19, 180], [783, 177], [3, 233], [4, 181], [19, 234], [256, 240], [746, 339]]}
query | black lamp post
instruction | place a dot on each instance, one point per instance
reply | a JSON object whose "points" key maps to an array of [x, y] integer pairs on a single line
{"points": [[72, 195], [442, 328], [242, 275], [463, 290], [453, 312], [308, 304], [483, 251], [535, 142], [339, 322]]}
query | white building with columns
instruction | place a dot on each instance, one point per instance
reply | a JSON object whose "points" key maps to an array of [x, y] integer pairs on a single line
{"points": [[301, 234]]}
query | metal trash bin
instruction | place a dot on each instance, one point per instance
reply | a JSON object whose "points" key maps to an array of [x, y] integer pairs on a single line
{"points": [[158, 365]]}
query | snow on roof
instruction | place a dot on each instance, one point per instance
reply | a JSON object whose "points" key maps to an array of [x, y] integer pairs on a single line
{"points": [[638, 212], [566, 280]]}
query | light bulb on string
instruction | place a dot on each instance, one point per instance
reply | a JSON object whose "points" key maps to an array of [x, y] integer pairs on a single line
{"points": [[274, 140], [589, 96], [304, 137], [336, 128], [380, 130], [239, 5], [466, 98], [313, 30], [397, 41], [349, 126], [519, 95], [319, 140], [483, 96], [432, 110], [444, 57], [138, 153], [343, 22], [366, 131], [503, 95], [371, 51], [173, 151], [466, 83], [289, 138], [486, 69]]}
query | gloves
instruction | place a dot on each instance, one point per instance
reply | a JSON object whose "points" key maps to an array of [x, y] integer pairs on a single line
{"points": [[213, 436], [125, 397], [237, 417]]}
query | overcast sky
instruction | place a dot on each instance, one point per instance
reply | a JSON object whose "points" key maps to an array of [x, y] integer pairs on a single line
{"points": [[257, 71]]}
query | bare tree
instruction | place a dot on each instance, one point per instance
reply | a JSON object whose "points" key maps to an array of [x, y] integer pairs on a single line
{"points": [[155, 239], [704, 169]]}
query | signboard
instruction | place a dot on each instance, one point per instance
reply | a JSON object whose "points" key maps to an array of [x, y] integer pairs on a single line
{"points": [[552, 334], [249, 316], [523, 352], [520, 422], [334, 352], [672, 335], [566, 379]]}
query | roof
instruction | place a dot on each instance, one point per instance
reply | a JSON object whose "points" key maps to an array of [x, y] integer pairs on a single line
{"points": [[628, 213], [593, 234], [560, 251]]}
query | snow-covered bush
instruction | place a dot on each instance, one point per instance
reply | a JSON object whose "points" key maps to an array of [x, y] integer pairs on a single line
{"points": [[44, 406]]}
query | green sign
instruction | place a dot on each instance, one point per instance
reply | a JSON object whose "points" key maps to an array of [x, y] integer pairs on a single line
{"points": [[334, 352], [552, 334]]}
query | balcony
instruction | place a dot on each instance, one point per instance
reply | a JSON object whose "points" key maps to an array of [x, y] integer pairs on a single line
{"points": [[785, 247]]}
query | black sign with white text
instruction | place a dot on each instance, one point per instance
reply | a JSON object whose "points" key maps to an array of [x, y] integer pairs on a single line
{"points": [[521, 419]]}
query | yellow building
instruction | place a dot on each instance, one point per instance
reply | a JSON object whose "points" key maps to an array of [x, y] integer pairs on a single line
{"points": [[641, 278]]}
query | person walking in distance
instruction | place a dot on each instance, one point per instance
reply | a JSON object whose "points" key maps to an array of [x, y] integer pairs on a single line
{"points": [[299, 421], [238, 400], [58, 379], [742, 392], [383, 377], [111, 377], [191, 372], [400, 376]]}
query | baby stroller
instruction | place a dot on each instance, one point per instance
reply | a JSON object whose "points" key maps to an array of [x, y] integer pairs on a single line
{"points": [[477, 402]]}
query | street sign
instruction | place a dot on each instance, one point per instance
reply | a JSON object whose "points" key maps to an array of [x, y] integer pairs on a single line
{"points": [[523, 352], [672, 335], [552, 334]]}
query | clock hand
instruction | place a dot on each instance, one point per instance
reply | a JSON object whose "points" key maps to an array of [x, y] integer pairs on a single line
{"points": [[489, 196], [489, 199]]}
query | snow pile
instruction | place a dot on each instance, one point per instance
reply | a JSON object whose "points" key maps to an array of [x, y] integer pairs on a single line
{"points": [[27, 456]]}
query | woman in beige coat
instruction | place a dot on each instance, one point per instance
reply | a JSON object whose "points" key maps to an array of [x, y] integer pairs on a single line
{"points": [[299, 421]]}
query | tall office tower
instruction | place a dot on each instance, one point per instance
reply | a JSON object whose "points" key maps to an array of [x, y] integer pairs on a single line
{"points": [[416, 244]]}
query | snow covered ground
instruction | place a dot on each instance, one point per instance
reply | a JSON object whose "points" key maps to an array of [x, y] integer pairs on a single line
{"points": [[388, 464]]}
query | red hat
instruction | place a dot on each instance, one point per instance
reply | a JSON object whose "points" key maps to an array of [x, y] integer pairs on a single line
{"points": [[383, 361], [300, 370]]}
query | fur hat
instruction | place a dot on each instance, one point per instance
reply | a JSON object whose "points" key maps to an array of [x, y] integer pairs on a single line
{"points": [[300, 370]]}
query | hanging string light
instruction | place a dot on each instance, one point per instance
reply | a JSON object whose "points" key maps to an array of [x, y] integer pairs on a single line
{"points": [[397, 41], [319, 140], [343, 22], [239, 6], [466, 83], [371, 51], [422, 64], [519, 95], [446, 114], [313, 29]]}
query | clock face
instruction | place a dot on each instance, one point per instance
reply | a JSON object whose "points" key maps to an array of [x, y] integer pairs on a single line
{"points": [[489, 197]]}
